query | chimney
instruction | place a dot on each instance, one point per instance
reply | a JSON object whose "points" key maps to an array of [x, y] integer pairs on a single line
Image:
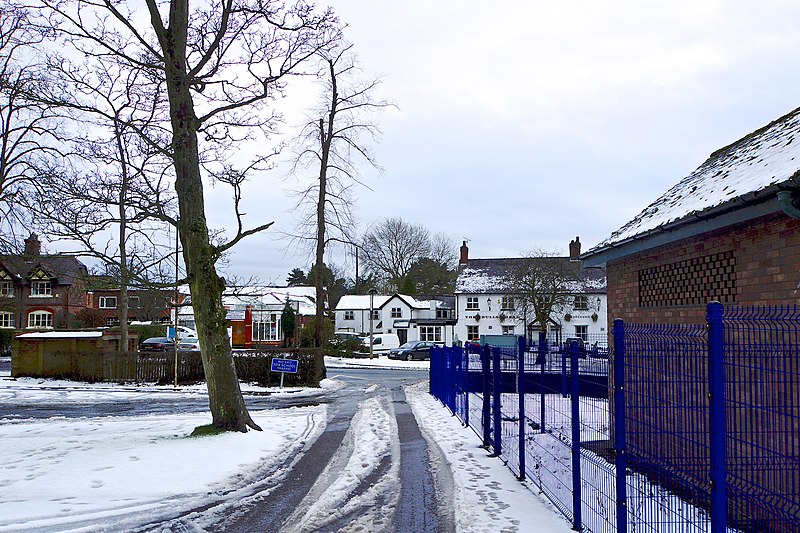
{"points": [[464, 254], [32, 246], [574, 249]]}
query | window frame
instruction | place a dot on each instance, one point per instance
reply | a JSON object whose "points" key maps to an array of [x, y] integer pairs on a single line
{"points": [[507, 303], [580, 302], [6, 320], [426, 332], [582, 333], [6, 288], [266, 327], [349, 315], [397, 312], [41, 288], [104, 300], [37, 314], [473, 303], [508, 330], [477, 331]]}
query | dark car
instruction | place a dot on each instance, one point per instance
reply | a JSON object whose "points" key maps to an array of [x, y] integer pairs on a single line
{"points": [[157, 344], [412, 350]]}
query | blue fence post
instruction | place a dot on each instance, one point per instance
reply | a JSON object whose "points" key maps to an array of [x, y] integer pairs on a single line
{"points": [[716, 417], [521, 395], [621, 454], [451, 375], [564, 353], [543, 351], [497, 407], [487, 401], [464, 380], [576, 437]]}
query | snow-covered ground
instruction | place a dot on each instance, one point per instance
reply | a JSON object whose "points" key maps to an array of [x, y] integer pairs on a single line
{"points": [[119, 472]]}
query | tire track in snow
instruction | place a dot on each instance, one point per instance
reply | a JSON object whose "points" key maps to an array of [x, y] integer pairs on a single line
{"points": [[359, 489]]}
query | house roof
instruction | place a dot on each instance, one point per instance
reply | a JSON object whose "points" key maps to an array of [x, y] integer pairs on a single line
{"points": [[66, 269], [492, 276], [747, 172]]}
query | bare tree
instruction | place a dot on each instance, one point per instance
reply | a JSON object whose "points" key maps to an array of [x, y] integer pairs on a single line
{"points": [[544, 283], [393, 245], [27, 127], [334, 143], [219, 64], [117, 182]]}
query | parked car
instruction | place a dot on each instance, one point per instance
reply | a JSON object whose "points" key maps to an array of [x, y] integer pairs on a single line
{"points": [[157, 344], [412, 350], [189, 344]]}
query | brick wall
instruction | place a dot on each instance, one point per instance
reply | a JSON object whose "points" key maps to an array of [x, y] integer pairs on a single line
{"points": [[762, 258]]}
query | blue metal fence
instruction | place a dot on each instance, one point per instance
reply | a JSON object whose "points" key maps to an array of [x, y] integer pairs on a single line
{"points": [[701, 434]]}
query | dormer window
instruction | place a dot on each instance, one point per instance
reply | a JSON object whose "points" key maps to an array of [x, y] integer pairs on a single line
{"points": [[6, 286], [41, 288]]}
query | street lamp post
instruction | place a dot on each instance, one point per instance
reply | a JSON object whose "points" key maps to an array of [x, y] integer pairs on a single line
{"points": [[371, 306]]}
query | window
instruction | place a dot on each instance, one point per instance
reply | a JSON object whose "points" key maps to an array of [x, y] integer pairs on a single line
{"points": [[265, 327], [397, 312], [376, 314], [108, 302], [41, 288], [133, 302], [508, 330], [6, 319], [6, 285], [580, 303], [430, 333], [473, 333], [349, 315], [444, 313], [582, 332], [40, 319], [472, 302], [507, 303], [112, 321]]}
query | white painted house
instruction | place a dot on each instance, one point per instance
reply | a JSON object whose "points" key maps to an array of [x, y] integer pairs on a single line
{"points": [[411, 318], [486, 305]]}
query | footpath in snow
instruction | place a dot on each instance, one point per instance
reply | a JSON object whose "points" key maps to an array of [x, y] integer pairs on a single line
{"points": [[120, 473]]}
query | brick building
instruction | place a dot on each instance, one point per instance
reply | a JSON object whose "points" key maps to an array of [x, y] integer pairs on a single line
{"points": [[728, 232], [40, 291]]}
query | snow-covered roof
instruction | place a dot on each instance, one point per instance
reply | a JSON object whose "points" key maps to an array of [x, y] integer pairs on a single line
{"points": [[492, 276], [61, 335], [271, 298], [360, 301], [757, 163]]}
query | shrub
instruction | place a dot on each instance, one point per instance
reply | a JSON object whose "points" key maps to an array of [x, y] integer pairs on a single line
{"points": [[5, 342]]}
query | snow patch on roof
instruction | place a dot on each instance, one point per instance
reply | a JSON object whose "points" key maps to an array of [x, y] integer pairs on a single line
{"points": [[479, 281], [765, 158], [62, 335]]}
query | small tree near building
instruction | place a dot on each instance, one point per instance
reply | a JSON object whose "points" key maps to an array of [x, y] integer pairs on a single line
{"points": [[544, 283]]}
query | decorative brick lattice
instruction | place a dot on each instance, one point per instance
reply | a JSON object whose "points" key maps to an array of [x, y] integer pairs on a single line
{"points": [[694, 281]]}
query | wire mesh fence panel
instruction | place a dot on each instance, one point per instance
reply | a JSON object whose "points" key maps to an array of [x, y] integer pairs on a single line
{"points": [[667, 431], [762, 407]]}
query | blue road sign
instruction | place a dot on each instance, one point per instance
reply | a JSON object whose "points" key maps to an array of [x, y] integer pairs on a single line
{"points": [[284, 365]]}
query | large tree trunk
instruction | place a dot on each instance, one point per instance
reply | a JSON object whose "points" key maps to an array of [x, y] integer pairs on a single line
{"points": [[228, 410]]}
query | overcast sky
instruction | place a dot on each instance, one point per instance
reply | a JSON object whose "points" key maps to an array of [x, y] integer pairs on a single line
{"points": [[523, 125]]}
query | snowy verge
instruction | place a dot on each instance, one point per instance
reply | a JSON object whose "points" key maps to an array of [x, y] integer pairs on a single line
{"points": [[380, 361], [487, 496], [115, 473]]}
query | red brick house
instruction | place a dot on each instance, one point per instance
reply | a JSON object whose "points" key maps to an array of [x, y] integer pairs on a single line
{"points": [[729, 232], [40, 291], [145, 305]]}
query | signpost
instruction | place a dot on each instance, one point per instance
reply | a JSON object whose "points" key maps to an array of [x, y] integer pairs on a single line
{"points": [[283, 366]]}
